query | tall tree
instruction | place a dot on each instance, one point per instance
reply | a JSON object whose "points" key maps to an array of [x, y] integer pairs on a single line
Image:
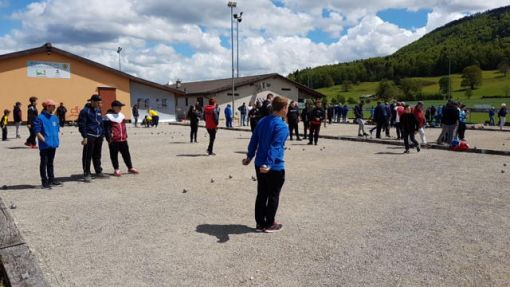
{"points": [[471, 77], [504, 67], [444, 85]]}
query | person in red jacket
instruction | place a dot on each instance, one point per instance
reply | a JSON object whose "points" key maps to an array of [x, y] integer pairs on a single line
{"points": [[420, 117], [116, 135], [211, 117]]}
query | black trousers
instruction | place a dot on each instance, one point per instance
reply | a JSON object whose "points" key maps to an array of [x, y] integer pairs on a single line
{"points": [[399, 130], [155, 121], [92, 153], [4, 133], [462, 131], [409, 136], [62, 121], [306, 127], [31, 137], [46, 165], [379, 127], [212, 137], [293, 127], [314, 133], [123, 148], [194, 132], [269, 186]]}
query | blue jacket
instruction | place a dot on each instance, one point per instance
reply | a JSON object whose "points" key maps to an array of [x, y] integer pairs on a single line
{"points": [[49, 126], [90, 122], [268, 142], [228, 112]]}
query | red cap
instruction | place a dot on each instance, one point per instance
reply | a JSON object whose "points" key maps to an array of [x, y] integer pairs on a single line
{"points": [[49, 102]]}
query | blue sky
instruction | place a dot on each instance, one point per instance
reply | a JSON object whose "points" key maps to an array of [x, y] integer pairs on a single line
{"points": [[164, 41]]}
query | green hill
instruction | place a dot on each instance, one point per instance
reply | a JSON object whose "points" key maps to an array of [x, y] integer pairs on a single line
{"points": [[482, 39]]}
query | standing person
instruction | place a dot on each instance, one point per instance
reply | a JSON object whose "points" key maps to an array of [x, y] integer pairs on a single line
{"points": [[136, 114], [193, 117], [461, 132], [61, 114], [338, 113], [32, 114], [266, 108], [17, 118], [409, 126], [422, 122], [358, 115], [398, 111], [305, 118], [293, 120], [254, 115], [317, 115], [345, 112], [267, 144], [449, 123], [47, 128], [91, 127], [228, 116], [433, 111], [116, 136], [211, 117], [379, 118], [155, 117], [387, 124], [331, 112], [502, 116], [3, 124], [243, 111]]}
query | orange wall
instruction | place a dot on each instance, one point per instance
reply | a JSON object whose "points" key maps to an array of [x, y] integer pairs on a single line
{"points": [[15, 85]]}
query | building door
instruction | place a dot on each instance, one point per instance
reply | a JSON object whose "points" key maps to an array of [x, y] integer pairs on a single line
{"points": [[108, 95]]}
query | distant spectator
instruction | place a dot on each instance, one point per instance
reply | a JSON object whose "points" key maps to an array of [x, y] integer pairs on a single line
{"points": [[243, 111], [61, 114], [17, 118], [3, 124], [502, 116], [492, 114], [136, 114], [32, 114]]}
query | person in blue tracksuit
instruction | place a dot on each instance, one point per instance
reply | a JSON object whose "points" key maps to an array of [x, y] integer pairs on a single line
{"points": [[267, 145], [91, 127], [47, 128]]}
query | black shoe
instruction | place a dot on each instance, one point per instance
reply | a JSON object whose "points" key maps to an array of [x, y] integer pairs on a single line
{"points": [[406, 151], [418, 148], [298, 139], [87, 178], [310, 143], [46, 185], [315, 143], [55, 183]]}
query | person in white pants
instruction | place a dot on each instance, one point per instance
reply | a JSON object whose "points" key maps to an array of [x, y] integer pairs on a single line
{"points": [[502, 116], [420, 117]]}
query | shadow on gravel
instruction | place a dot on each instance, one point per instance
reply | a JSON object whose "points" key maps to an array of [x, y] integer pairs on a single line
{"points": [[192, 155], [17, 187], [223, 232], [180, 142], [390, 153], [71, 178], [18, 147], [240, 152]]}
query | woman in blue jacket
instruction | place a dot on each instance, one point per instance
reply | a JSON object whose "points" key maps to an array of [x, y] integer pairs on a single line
{"points": [[47, 128]]}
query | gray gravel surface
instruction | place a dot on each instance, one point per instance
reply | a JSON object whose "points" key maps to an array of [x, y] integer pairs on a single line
{"points": [[354, 214]]}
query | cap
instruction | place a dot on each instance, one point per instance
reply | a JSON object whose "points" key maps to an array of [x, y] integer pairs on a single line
{"points": [[117, 104], [95, 98], [49, 102]]}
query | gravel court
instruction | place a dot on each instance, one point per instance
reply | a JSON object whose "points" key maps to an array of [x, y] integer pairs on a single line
{"points": [[355, 214]]}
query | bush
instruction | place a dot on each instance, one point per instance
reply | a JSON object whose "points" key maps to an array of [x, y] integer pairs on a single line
{"points": [[351, 101]]}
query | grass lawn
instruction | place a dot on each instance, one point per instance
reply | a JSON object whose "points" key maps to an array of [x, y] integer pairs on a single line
{"points": [[493, 84]]}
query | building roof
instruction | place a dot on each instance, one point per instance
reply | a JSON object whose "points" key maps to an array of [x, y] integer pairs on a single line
{"points": [[49, 48], [221, 85]]}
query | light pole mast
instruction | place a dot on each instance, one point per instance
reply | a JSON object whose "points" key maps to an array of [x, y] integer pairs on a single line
{"points": [[239, 19], [232, 5], [119, 49]]}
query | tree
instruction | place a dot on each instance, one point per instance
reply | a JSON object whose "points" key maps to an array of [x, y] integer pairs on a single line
{"points": [[346, 85], [411, 88], [444, 85], [471, 77], [504, 68], [351, 101], [387, 90], [469, 93], [328, 81], [340, 99]]}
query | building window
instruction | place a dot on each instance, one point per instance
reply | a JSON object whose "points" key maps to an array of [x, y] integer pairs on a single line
{"points": [[268, 85], [163, 102], [286, 89]]}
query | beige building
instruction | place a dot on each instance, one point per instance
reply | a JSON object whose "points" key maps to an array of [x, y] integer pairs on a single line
{"points": [[247, 90], [49, 72]]}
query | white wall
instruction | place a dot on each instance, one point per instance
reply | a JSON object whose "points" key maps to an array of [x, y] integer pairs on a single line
{"points": [[154, 98]]}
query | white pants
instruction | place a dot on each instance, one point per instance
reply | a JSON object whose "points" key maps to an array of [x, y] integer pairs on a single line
{"points": [[421, 131], [17, 129], [502, 122]]}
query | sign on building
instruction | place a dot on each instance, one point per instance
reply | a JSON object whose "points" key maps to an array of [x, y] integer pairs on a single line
{"points": [[51, 70]]}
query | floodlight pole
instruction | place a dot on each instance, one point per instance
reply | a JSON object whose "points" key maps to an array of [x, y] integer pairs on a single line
{"points": [[118, 52]]}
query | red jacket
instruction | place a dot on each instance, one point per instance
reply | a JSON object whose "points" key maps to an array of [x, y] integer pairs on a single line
{"points": [[211, 117], [116, 127], [420, 117]]}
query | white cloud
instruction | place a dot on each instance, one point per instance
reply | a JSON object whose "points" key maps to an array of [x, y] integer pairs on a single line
{"points": [[273, 39]]}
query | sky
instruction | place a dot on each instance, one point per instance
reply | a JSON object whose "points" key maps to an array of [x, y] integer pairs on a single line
{"points": [[168, 40]]}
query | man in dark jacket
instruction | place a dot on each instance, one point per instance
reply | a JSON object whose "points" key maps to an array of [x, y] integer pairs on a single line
{"points": [[17, 118], [409, 126], [317, 116], [358, 115], [243, 110], [61, 114], [449, 123], [136, 114], [266, 108], [379, 118], [90, 124], [32, 114], [305, 118], [293, 119]]}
